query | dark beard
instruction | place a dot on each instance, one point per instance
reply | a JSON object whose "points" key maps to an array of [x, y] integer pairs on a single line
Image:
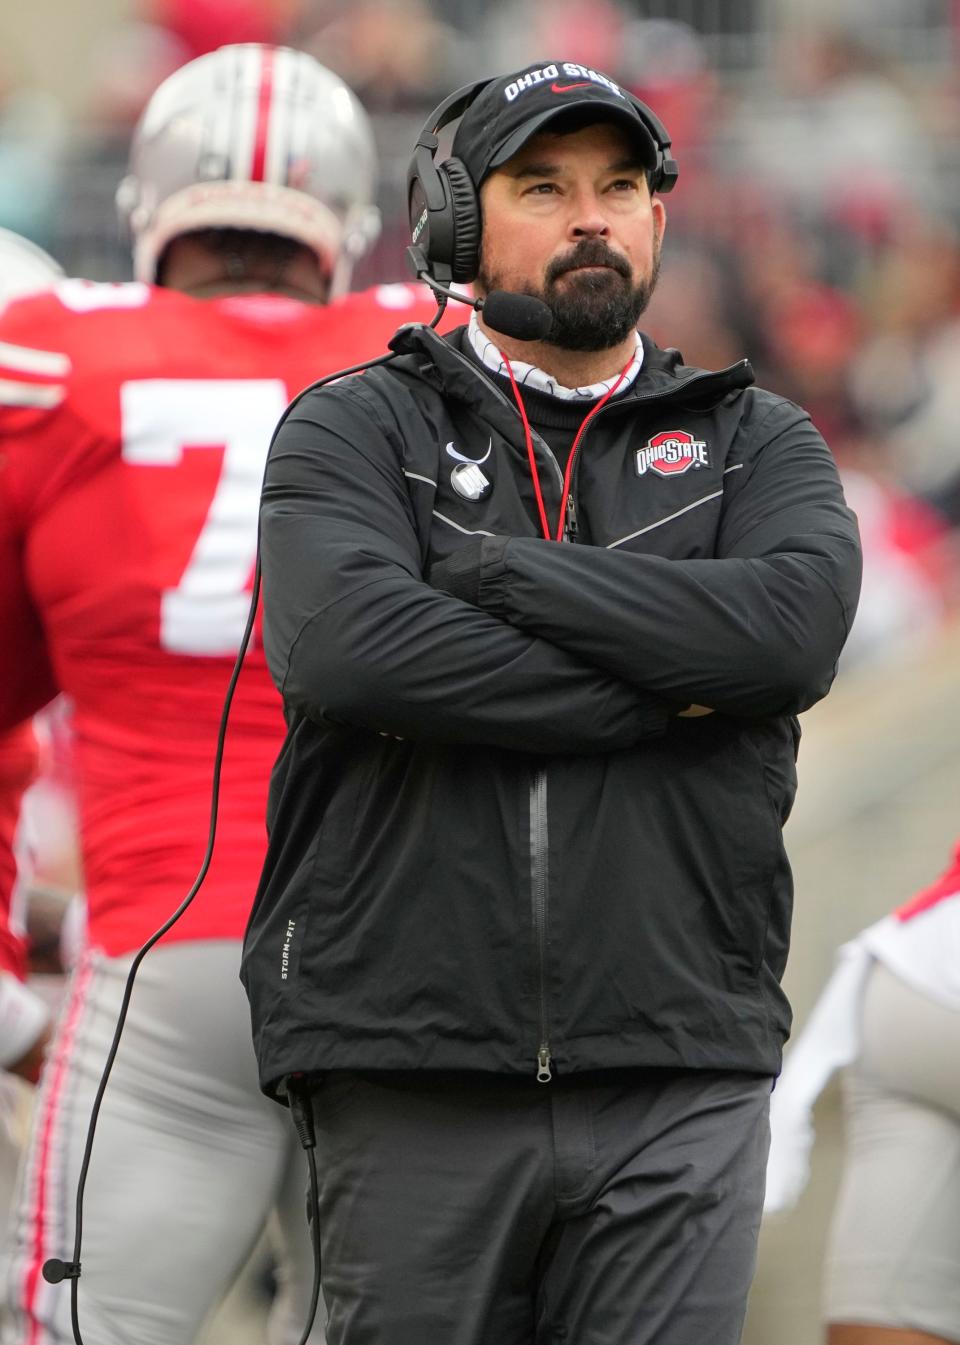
{"points": [[592, 311]]}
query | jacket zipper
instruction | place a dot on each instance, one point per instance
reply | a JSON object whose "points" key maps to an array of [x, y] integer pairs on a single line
{"points": [[540, 902], [539, 832]]}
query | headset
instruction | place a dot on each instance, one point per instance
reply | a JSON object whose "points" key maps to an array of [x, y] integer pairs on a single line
{"points": [[443, 199]]}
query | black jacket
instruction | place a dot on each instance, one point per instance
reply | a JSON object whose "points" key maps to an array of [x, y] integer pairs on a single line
{"points": [[493, 845]]}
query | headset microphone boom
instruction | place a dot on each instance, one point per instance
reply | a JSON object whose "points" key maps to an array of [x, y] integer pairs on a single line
{"points": [[518, 315]]}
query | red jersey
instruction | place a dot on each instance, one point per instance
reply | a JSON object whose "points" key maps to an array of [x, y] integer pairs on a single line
{"points": [[134, 424], [946, 886]]}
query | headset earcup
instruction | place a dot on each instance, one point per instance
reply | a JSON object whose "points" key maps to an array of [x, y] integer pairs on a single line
{"points": [[465, 211]]}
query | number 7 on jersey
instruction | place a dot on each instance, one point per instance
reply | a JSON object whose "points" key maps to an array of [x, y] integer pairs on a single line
{"points": [[206, 612]]}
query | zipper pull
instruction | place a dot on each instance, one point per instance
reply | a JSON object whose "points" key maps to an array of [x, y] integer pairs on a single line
{"points": [[544, 1072], [570, 531]]}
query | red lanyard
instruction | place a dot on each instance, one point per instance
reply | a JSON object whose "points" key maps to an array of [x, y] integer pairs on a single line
{"points": [[568, 474]]}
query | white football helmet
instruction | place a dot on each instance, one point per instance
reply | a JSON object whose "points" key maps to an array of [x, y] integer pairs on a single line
{"points": [[24, 267], [253, 137]]}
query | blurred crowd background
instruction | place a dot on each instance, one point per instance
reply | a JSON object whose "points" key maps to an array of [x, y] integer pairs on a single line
{"points": [[815, 229]]}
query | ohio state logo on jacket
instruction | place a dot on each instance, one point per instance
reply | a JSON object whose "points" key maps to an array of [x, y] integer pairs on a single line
{"points": [[671, 453]]}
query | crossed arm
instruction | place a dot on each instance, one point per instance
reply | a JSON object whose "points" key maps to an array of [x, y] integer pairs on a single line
{"points": [[755, 631], [544, 648]]}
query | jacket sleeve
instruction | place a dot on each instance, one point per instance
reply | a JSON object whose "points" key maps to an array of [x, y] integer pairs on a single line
{"points": [[354, 635], [755, 631]]}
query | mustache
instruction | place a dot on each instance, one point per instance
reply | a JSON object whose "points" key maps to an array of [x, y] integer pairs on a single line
{"points": [[590, 252]]}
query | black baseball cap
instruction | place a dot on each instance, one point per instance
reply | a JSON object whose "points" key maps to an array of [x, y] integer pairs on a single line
{"points": [[512, 108]]}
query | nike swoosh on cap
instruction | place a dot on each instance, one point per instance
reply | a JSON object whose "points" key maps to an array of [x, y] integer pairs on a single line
{"points": [[565, 88]]}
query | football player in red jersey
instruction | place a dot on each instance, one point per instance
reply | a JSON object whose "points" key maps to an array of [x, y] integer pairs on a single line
{"points": [[135, 421]]}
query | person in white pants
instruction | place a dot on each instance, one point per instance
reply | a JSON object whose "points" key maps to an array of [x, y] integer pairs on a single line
{"points": [[891, 1014]]}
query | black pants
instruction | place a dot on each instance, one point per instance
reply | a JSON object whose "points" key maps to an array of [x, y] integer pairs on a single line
{"points": [[484, 1211]]}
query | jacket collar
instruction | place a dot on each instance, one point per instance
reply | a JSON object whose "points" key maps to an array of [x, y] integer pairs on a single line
{"points": [[440, 361]]}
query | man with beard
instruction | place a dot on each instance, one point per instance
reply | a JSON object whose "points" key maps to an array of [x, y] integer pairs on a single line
{"points": [[517, 945]]}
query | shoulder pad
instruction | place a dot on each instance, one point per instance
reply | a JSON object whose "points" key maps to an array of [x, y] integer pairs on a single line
{"points": [[33, 365]]}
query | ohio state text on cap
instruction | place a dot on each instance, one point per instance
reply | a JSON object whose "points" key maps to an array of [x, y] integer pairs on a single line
{"points": [[515, 107]]}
